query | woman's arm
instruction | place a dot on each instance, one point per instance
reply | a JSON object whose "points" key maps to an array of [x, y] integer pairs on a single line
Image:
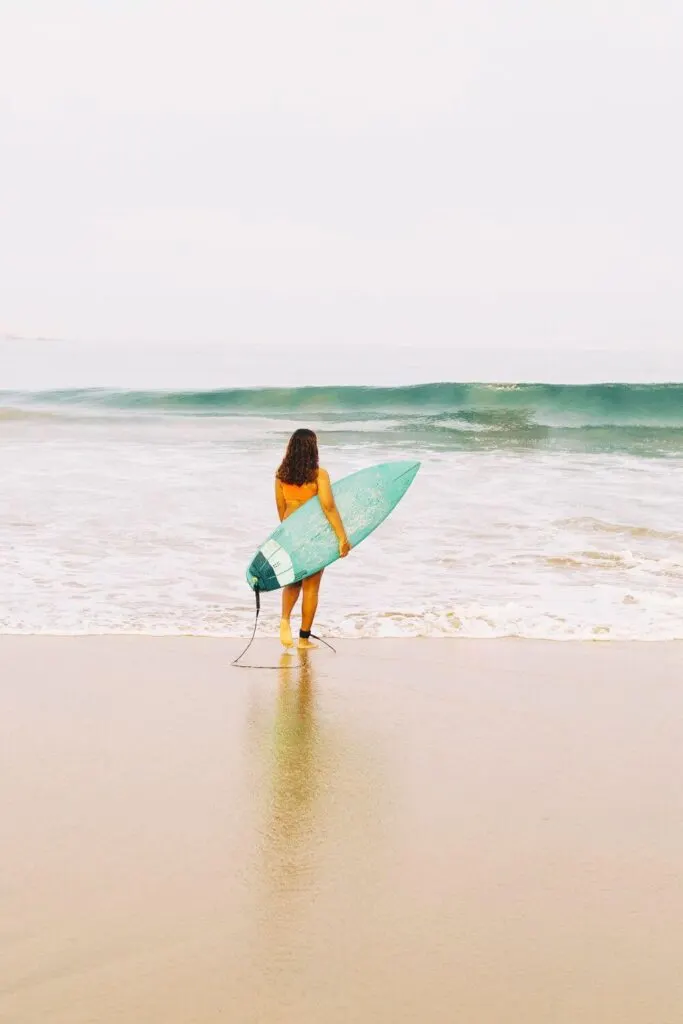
{"points": [[280, 499], [330, 510]]}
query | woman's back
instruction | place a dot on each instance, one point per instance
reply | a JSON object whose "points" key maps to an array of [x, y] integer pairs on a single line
{"points": [[296, 495]]}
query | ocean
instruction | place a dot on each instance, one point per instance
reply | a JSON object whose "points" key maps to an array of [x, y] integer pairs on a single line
{"points": [[546, 511]]}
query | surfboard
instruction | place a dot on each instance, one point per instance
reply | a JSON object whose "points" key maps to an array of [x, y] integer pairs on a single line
{"points": [[305, 543]]}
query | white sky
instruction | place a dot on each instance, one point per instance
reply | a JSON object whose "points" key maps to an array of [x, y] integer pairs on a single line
{"points": [[482, 174]]}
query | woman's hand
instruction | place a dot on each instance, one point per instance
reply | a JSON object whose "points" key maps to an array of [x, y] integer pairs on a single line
{"points": [[344, 547]]}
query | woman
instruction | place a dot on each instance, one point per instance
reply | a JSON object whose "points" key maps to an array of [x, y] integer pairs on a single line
{"points": [[299, 479]]}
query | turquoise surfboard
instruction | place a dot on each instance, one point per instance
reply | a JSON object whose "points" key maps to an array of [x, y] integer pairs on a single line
{"points": [[305, 542]]}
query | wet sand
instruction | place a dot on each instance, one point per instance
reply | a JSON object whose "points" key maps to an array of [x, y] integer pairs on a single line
{"points": [[433, 831]]}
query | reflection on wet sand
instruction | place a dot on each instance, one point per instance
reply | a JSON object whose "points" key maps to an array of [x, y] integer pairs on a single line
{"points": [[323, 842], [295, 775]]}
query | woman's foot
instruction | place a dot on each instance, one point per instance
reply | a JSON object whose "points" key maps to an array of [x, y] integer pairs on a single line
{"points": [[304, 642], [306, 645], [286, 633]]}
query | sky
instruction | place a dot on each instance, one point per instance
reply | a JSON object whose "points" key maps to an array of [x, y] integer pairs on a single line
{"points": [[475, 177]]}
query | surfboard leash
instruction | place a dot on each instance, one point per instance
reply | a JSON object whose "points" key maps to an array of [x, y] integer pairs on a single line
{"points": [[236, 662], [323, 641], [257, 595]]}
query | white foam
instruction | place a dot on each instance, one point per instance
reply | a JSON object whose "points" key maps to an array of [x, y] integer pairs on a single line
{"points": [[148, 528]]}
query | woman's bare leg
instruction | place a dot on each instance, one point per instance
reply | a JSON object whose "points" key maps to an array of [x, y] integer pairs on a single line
{"points": [[311, 588], [290, 595]]}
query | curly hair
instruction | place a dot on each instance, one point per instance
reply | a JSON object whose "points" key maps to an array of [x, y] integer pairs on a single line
{"points": [[300, 464]]}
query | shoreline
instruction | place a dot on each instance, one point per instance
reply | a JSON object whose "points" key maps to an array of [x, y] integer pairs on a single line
{"points": [[270, 639]]}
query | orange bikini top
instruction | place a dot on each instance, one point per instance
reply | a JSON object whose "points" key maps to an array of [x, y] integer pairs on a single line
{"points": [[299, 492]]}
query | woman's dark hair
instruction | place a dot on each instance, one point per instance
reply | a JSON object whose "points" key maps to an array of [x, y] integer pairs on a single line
{"points": [[300, 464]]}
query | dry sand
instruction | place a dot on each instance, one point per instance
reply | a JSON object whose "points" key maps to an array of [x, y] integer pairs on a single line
{"points": [[409, 831]]}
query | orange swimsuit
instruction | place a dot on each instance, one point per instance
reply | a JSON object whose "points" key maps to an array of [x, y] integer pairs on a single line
{"points": [[296, 495]]}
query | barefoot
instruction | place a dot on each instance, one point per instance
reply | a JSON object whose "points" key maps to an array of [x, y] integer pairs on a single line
{"points": [[286, 633], [306, 645]]}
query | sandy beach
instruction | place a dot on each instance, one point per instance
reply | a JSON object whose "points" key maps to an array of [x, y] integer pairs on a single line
{"points": [[418, 830]]}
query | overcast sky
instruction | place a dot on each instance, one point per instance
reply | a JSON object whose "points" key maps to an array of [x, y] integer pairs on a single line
{"points": [[458, 173]]}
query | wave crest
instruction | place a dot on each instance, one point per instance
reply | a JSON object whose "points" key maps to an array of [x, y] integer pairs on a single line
{"points": [[549, 405]]}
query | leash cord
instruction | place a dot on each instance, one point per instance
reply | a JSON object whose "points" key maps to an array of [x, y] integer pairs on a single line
{"points": [[236, 662], [257, 595]]}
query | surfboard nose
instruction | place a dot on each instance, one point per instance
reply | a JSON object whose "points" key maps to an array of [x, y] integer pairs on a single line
{"points": [[407, 470]]}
